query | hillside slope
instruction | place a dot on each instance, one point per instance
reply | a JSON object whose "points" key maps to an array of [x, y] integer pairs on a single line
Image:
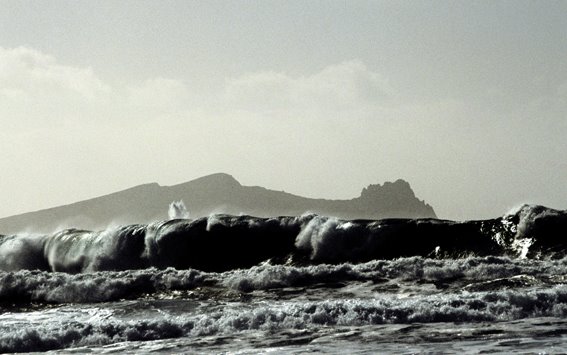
{"points": [[217, 193]]}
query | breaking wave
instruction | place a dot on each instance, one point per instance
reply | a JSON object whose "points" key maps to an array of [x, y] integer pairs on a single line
{"points": [[225, 242]]}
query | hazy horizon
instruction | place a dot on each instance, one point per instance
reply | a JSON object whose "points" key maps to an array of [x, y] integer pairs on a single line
{"points": [[467, 101]]}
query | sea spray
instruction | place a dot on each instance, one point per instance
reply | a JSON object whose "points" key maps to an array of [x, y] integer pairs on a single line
{"points": [[178, 210]]}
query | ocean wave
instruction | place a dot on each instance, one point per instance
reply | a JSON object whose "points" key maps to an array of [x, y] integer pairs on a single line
{"points": [[26, 286], [225, 242], [486, 273]]}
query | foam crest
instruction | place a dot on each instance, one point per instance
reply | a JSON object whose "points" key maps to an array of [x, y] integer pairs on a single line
{"points": [[22, 252], [74, 250], [83, 328], [466, 307], [53, 287], [472, 274], [458, 272], [538, 230], [318, 235]]}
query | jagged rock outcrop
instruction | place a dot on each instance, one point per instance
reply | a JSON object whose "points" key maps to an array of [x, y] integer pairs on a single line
{"points": [[217, 193], [397, 198]]}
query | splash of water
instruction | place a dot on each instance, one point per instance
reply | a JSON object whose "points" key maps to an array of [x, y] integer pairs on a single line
{"points": [[178, 210]]}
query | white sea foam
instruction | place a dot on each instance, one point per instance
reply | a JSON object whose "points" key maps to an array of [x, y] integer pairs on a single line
{"points": [[83, 326], [40, 286]]}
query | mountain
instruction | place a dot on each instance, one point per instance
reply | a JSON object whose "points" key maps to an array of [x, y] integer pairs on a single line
{"points": [[217, 193]]}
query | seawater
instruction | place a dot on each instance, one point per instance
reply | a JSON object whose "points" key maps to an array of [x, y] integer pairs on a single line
{"points": [[240, 284]]}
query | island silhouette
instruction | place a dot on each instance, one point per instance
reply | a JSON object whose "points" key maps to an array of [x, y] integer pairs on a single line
{"points": [[216, 193]]}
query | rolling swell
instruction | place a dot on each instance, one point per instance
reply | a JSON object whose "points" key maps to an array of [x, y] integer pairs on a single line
{"points": [[225, 242]]}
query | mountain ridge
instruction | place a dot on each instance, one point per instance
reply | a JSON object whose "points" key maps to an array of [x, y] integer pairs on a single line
{"points": [[216, 193]]}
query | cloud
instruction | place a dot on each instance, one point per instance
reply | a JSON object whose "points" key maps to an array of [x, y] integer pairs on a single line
{"points": [[342, 86], [71, 127], [30, 74], [35, 87], [159, 93]]}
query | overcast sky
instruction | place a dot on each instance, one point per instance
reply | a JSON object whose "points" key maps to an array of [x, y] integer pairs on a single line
{"points": [[466, 100]]}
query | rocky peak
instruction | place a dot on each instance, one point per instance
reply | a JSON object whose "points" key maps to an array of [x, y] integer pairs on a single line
{"points": [[399, 188]]}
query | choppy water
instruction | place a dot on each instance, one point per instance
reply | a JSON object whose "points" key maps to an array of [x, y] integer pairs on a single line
{"points": [[290, 285]]}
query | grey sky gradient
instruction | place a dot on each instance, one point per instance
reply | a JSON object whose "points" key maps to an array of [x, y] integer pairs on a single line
{"points": [[465, 100]]}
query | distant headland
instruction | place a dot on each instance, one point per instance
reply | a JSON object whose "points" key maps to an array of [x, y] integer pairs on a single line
{"points": [[217, 193]]}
